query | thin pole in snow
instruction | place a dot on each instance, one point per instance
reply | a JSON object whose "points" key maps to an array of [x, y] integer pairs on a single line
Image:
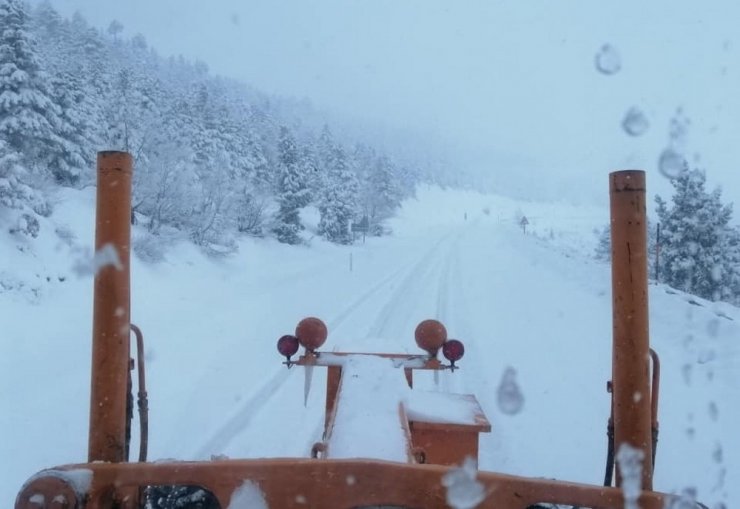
{"points": [[657, 257]]}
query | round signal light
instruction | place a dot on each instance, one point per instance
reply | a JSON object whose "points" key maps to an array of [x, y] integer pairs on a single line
{"points": [[430, 335], [311, 333], [453, 350], [287, 346]]}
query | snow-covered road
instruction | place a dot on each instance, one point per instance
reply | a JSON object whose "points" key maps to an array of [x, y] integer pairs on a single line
{"points": [[535, 303]]}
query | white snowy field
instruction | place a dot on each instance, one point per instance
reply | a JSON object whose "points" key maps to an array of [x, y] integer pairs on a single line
{"points": [[537, 303]]}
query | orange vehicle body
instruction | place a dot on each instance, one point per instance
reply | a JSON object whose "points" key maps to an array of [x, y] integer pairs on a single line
{"points": [[108, 480]]}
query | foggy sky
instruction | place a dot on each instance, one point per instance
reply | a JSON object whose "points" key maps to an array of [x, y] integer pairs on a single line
{"points": [[511, 84]]}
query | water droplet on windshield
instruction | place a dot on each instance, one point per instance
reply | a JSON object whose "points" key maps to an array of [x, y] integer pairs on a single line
{"points": [[706, 355], [717, 453], [671, 164], [607, 60], [510, 397], [635, 123]]}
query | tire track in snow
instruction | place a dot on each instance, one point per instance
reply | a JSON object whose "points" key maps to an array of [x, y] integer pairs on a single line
{"points": [[478, 372], [456, 316], [241, 418], [405, 293], [443, 290], [431, 277], [444, 380]]}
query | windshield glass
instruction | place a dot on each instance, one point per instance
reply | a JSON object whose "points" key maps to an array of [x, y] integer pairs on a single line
{"points": [[430, 179]]}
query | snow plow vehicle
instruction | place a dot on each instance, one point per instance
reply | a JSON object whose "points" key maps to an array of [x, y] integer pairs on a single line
{"points": [[384, 444]]}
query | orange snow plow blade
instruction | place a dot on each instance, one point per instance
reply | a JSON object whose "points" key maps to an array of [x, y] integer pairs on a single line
{"points": [[341, 484]]}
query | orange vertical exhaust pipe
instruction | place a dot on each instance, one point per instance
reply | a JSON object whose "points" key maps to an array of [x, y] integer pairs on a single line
{"points": [[631, 343], [111, 312]]}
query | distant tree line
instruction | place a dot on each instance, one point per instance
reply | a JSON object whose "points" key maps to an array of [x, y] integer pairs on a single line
{"points": [[214, 158]]}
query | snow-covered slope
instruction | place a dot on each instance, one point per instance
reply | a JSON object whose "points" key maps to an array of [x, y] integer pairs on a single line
{"points": [[536, 303]]}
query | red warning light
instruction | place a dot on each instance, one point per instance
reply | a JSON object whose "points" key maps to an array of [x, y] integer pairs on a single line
{"points": [[287, 346], [453, 350]]}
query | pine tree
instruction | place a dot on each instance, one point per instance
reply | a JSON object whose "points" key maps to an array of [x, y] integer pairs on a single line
{"points": [[132, 112], [325, 147], [261, 125], [338, 203], [115, 28], [292, 190], [697, 243], [29, 119], [52, 34], [727, 272], [384, 194], [78, 144], [309, 166]]}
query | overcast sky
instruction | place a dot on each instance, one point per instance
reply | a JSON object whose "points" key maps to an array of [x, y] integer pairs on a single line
{"points": [[512, 84]]}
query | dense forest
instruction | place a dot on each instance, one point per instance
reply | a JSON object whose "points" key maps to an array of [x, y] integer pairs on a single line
{"points": [[214, 158]]}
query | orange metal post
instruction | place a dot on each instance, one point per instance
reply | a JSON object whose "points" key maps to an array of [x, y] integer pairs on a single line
{"points": [[111, 313], [631, 344]]}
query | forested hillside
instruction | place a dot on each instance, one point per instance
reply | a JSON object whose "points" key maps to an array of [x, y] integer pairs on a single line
{"points": [[214, 158]]}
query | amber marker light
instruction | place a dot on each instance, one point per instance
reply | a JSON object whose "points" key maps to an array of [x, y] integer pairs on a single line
{"points": [[430, 335], [311, 333]]}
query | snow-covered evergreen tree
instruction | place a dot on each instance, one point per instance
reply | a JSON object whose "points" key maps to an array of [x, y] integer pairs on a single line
{"points": [[29, 119], [132, 113], [325, 147], [78, 142], [338, 203], [15, 193], [698, 245], [115, 28], [292, 190], [266, 136], [383, 193], [727, 272], [309, 167], [53, 36]]}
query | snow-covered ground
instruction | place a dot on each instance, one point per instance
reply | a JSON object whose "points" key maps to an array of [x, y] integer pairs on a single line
{"points": [[537, 303]]}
